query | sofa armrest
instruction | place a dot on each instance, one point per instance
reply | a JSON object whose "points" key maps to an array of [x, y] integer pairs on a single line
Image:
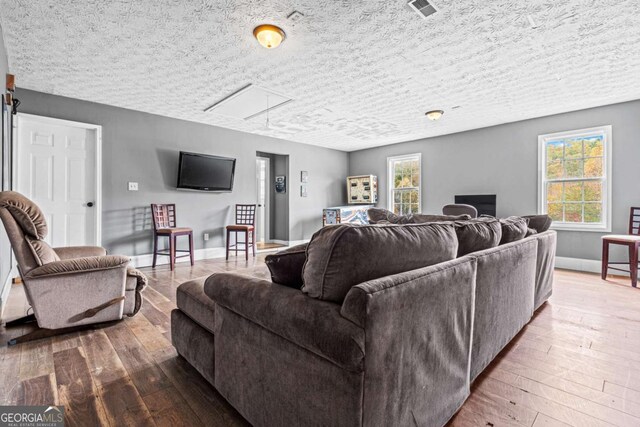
{"points": [[314, 325], [78, 265], [71, 252], [418, 331]]}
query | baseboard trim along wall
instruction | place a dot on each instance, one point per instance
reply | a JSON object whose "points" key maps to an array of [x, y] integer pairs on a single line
{"points": [[146, 260], [586, 265], [6, 287]]}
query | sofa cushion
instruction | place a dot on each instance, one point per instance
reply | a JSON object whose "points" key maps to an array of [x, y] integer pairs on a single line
{"points": [[540, 223], [192, 301], [42, 252], [513, 228], [316, 326], [383, 216], [286, 266], [477, 234], [344, 255]]}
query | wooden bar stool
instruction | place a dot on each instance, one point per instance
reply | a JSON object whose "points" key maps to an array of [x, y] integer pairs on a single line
{"points": [[164, 224], [631, 240], [245, 223]]}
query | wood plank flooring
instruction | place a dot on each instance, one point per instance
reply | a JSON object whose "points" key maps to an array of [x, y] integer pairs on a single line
{"points": [[573, 365]]}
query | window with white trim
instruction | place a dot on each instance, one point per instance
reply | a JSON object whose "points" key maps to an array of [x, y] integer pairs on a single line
{"points": [[403, 174], [574, 172]]}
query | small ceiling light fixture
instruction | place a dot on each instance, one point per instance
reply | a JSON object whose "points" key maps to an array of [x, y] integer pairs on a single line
{"points": [[269, 36], [434, 114]]}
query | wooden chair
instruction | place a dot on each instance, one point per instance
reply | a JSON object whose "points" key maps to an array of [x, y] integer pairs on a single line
{"points": [[245, 223], [631, 240], [164, 224]]}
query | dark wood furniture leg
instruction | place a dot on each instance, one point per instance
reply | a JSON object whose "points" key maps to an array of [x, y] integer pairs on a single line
{"points": [[236, 242], [253, 242], [633, 263], [605, 259], [246, 245], [155, 249], [172, 251], [228, 243], [191, 247]]}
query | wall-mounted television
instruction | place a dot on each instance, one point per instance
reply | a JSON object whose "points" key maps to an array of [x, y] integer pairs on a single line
{"points": [[484, 203], [205, 172]]}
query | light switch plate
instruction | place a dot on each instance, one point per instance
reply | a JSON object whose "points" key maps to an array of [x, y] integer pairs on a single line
{"points": [[133, 186]]}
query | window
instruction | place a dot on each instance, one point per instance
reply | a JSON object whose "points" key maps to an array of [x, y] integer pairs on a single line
{"points": [[575, 179], [404, 183]]}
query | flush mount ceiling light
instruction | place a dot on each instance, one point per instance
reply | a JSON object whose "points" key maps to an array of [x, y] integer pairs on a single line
{"points": [[434, 114], [269, 36]]}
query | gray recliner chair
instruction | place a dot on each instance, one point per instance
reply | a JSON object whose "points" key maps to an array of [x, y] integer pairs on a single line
{"points": [[460, 209], [69, 287]]}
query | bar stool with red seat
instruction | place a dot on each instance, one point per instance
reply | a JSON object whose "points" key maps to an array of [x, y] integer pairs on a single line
{"points": [[245, 223], [164, 224], [631, 241]]}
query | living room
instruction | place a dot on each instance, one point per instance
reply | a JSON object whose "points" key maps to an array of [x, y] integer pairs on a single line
{"points": [[318, 117]]}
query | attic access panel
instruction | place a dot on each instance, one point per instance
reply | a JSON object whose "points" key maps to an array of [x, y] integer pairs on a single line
{"points": [[248, 102]]}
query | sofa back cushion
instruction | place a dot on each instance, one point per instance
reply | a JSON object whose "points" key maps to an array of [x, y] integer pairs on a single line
{"points": [[540, 223], [286, 266], [478, 234], [382, 216], [514, 228], [344, 255]]}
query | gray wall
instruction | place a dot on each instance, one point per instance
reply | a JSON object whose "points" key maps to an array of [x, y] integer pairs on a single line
{"points": [[503, 160], [5, 247], [144, 148]]}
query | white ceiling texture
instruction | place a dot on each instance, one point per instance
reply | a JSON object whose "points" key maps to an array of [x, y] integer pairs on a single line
{"points": [[360, 73]]}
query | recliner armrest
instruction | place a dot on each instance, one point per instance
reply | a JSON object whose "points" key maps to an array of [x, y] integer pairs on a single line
{"points": [[71, 252], [312, 324], [78, 265]]}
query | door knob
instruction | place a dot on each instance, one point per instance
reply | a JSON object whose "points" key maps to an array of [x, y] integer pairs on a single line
{"points": [[90, 204]]}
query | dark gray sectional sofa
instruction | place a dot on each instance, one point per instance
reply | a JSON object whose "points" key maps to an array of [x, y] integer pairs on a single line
{"points": [[398, 349]]}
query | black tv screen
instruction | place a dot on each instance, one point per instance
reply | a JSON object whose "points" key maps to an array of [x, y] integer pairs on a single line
{"points": [[206, 173], [484, 203]]}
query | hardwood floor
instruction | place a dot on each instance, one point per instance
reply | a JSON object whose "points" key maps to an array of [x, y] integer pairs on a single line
{"points": [[574, 364]]}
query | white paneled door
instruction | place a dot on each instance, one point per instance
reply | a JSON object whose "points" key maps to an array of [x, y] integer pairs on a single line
{"points": [[57, 167]]}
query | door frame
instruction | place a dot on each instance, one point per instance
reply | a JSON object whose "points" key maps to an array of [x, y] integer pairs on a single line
{"points": [[267, 197], [98, 159]]}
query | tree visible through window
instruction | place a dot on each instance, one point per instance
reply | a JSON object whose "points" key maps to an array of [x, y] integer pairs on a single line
{"points": [[404, 184], [574, 177]]}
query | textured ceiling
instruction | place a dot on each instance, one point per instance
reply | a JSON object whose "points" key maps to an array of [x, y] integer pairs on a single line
{"points": [[361, 73]]}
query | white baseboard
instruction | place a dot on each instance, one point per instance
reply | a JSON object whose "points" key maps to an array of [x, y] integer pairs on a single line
{"points": [[280, 242], [586, 265], [4, 294], [146, 260]]}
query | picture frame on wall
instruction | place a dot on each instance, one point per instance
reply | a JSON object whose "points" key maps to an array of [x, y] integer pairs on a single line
{"points": [[281, 184]]}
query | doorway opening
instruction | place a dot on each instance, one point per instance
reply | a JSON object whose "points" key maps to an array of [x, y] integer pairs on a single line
{"points": [[272, 200]]}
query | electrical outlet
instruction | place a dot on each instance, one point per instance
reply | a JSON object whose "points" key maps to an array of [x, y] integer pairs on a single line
{"points": [[133, 186], [206, 236]]}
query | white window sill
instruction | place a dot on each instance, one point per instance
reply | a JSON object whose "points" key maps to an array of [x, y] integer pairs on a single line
{"points": [[595, 228]]}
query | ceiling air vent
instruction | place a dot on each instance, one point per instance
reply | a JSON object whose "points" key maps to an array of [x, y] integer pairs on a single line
{"points": [[423, 8]]}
